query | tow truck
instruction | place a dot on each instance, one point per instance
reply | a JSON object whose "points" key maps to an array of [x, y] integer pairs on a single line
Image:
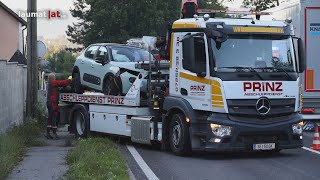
{"points": [[230, 85]]}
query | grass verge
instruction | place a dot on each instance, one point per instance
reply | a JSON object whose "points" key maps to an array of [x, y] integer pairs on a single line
{"points": [[14, 143], [96, 158]]}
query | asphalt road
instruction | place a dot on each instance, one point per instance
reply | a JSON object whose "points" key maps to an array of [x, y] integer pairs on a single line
{"points": [[288, 164]]}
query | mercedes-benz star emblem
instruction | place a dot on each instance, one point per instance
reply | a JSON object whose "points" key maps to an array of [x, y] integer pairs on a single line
{"points": [[263, 105]]}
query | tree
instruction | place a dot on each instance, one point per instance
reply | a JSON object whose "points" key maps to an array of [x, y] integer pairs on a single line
{"points": [[60, 61], [210, 4], [119, 20], [260, 5]]}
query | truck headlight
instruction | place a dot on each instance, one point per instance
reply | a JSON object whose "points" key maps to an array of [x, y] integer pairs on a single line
{"points": [[221, 130], [297, 128]]}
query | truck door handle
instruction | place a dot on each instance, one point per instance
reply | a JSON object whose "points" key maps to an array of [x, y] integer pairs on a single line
{"points": [[184, 91], [92, 65], [82, 61]]}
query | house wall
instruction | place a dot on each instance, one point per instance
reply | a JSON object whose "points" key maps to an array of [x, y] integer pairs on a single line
{"points": [[13, 89], [9, 35]]}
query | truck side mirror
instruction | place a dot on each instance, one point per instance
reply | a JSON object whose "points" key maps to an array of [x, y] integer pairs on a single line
{"points": [[188, 53], [219, 37], [302, 57]]}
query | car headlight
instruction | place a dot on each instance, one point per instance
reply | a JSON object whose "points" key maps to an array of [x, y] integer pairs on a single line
{"points": [[221, 130], [297, 128]]}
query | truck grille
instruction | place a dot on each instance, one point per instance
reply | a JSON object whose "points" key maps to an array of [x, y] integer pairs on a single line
{"points": [[247, 108], [262, 138]]}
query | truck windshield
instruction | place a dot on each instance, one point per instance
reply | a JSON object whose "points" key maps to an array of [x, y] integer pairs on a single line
{"points": [[263, 54]]}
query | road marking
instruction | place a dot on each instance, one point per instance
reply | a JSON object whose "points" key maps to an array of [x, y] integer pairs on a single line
{"points": [[143, 165], [311, 150]]}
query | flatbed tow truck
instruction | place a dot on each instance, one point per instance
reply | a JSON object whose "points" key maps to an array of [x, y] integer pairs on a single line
{"points": [[231, 85]]}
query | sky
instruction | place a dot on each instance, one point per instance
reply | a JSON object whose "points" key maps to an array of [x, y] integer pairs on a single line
{"points": [[57, 27], [46, 28]]}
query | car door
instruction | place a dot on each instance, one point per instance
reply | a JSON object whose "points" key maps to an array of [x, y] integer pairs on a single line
{"points": [[100, 67], [87, 65]]}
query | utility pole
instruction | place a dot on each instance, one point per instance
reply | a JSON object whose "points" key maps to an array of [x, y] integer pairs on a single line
{"points": [[32, 60]]}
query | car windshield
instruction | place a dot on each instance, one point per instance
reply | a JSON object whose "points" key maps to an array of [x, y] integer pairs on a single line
{"points": [[129, 54], [254, 52]]}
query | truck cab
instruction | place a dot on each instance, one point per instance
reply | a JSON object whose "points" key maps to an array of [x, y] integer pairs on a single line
{"points": [[236, 81]]}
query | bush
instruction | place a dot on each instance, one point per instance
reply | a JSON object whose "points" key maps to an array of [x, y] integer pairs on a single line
{"points": [[41, 115]]}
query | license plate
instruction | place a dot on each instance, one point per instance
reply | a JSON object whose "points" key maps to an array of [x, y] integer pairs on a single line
{"points": [[266, 146]]}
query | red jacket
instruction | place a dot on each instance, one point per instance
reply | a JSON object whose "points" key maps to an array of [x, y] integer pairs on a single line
{"points": [[53, 91]]}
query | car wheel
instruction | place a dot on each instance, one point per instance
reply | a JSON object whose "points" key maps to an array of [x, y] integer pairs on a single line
{"points": [[112, 85], [179, 135], [77, 83]]}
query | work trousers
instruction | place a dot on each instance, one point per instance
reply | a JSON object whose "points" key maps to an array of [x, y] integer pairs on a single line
{"points": [[52, 116]]}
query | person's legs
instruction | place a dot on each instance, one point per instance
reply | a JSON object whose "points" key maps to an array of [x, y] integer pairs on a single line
{"points": [[54, 130], [54, 121], [49, 121]]}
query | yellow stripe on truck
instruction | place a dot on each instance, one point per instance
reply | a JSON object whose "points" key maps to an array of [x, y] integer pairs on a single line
{"points": [[194, 78], [257, 30], [217, 97], [215, 90], [217, 100], [217, 103], [216, 83], [179, 25], [218, 106], [171, 47]]}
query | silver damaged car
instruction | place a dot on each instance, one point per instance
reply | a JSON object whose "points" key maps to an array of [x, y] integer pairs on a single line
{"points": [[108, 68]]}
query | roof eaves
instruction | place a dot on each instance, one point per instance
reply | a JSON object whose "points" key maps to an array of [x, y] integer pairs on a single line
{"points": [[13, 14]]}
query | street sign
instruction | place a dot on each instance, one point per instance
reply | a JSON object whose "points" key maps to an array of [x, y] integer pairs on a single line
{"points": [[42, 49]]}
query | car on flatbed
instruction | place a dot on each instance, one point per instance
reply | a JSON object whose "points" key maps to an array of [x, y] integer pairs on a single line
{"points": [[108, 68]]}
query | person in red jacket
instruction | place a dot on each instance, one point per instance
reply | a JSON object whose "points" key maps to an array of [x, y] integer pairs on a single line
{"points": [[52, 104]]}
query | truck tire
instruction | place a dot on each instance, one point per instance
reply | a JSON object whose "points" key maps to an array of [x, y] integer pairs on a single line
{"points": [[76, 81], [179, 136], [112, 85], [81, 123]]}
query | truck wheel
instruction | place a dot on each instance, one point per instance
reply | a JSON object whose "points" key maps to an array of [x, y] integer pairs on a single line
{"points": [[112, 85], [81, 124], [76, 81], [179, 135]]}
